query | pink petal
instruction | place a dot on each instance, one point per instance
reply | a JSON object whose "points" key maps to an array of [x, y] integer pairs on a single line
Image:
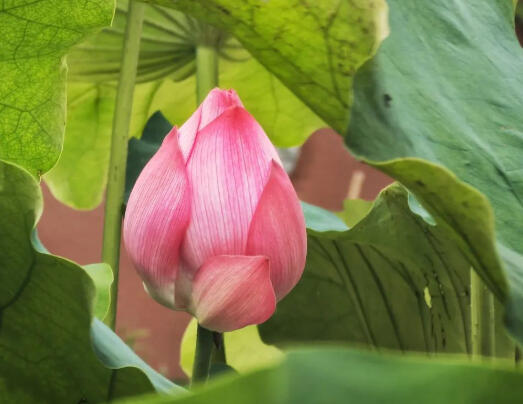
{"points": [[278, 232], [228, 169], [158, 213], [231, 292], [216, 102]]}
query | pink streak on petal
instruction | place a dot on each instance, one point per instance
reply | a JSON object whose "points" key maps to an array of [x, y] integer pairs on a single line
{"points": [[231, 292], [216, 102], [278, 232], [158, 213], [228, 169]]}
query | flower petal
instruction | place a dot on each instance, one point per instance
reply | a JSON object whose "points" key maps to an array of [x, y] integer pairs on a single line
{"points": [[231, 292], [158, 213], [227, 170], [216, 102], [278, 231]]}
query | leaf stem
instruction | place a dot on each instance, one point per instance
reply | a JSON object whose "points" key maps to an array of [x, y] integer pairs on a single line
{"points": [[203, 355], [118, 159], [482, 315], [206, 69]]}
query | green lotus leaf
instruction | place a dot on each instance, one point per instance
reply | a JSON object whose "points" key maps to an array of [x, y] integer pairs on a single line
{"points": [[36, 35]]}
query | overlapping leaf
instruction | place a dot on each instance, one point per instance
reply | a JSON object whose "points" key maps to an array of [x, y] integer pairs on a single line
{"points": [[340, 376], [313, 47], [394, 280], [35, 36], [444, 90], [110, 349], [45, 316], [101, 275], [391, 281], [165, 72], [84, 162]]}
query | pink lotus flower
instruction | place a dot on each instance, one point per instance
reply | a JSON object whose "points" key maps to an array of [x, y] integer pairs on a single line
{"points": [[213, 224]]}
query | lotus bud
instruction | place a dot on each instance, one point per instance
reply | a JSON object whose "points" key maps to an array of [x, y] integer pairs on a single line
{"points": [[213, 224]]}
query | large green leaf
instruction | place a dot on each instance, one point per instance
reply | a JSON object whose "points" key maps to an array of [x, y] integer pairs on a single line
{"points": [[391, 281], [101, 275], [45, 314], [35, 37], [457, 106], [110, 349], [340, 376], [81, 172], [165, 72], [313, 47]]}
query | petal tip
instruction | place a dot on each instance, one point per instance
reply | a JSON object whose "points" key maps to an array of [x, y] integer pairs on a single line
{"points": [[223, 98]]}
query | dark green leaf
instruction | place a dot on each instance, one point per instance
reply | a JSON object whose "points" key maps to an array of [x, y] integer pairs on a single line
{"points": [[35, 36], [46, 302], [100, 273], [340, 376], [444, 91], [391, 281]]}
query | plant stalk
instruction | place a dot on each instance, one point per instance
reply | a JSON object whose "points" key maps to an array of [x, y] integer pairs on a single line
{"points": [[203, 355], [218, 353], [206, 70], [482, 315], [118, 158]]}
